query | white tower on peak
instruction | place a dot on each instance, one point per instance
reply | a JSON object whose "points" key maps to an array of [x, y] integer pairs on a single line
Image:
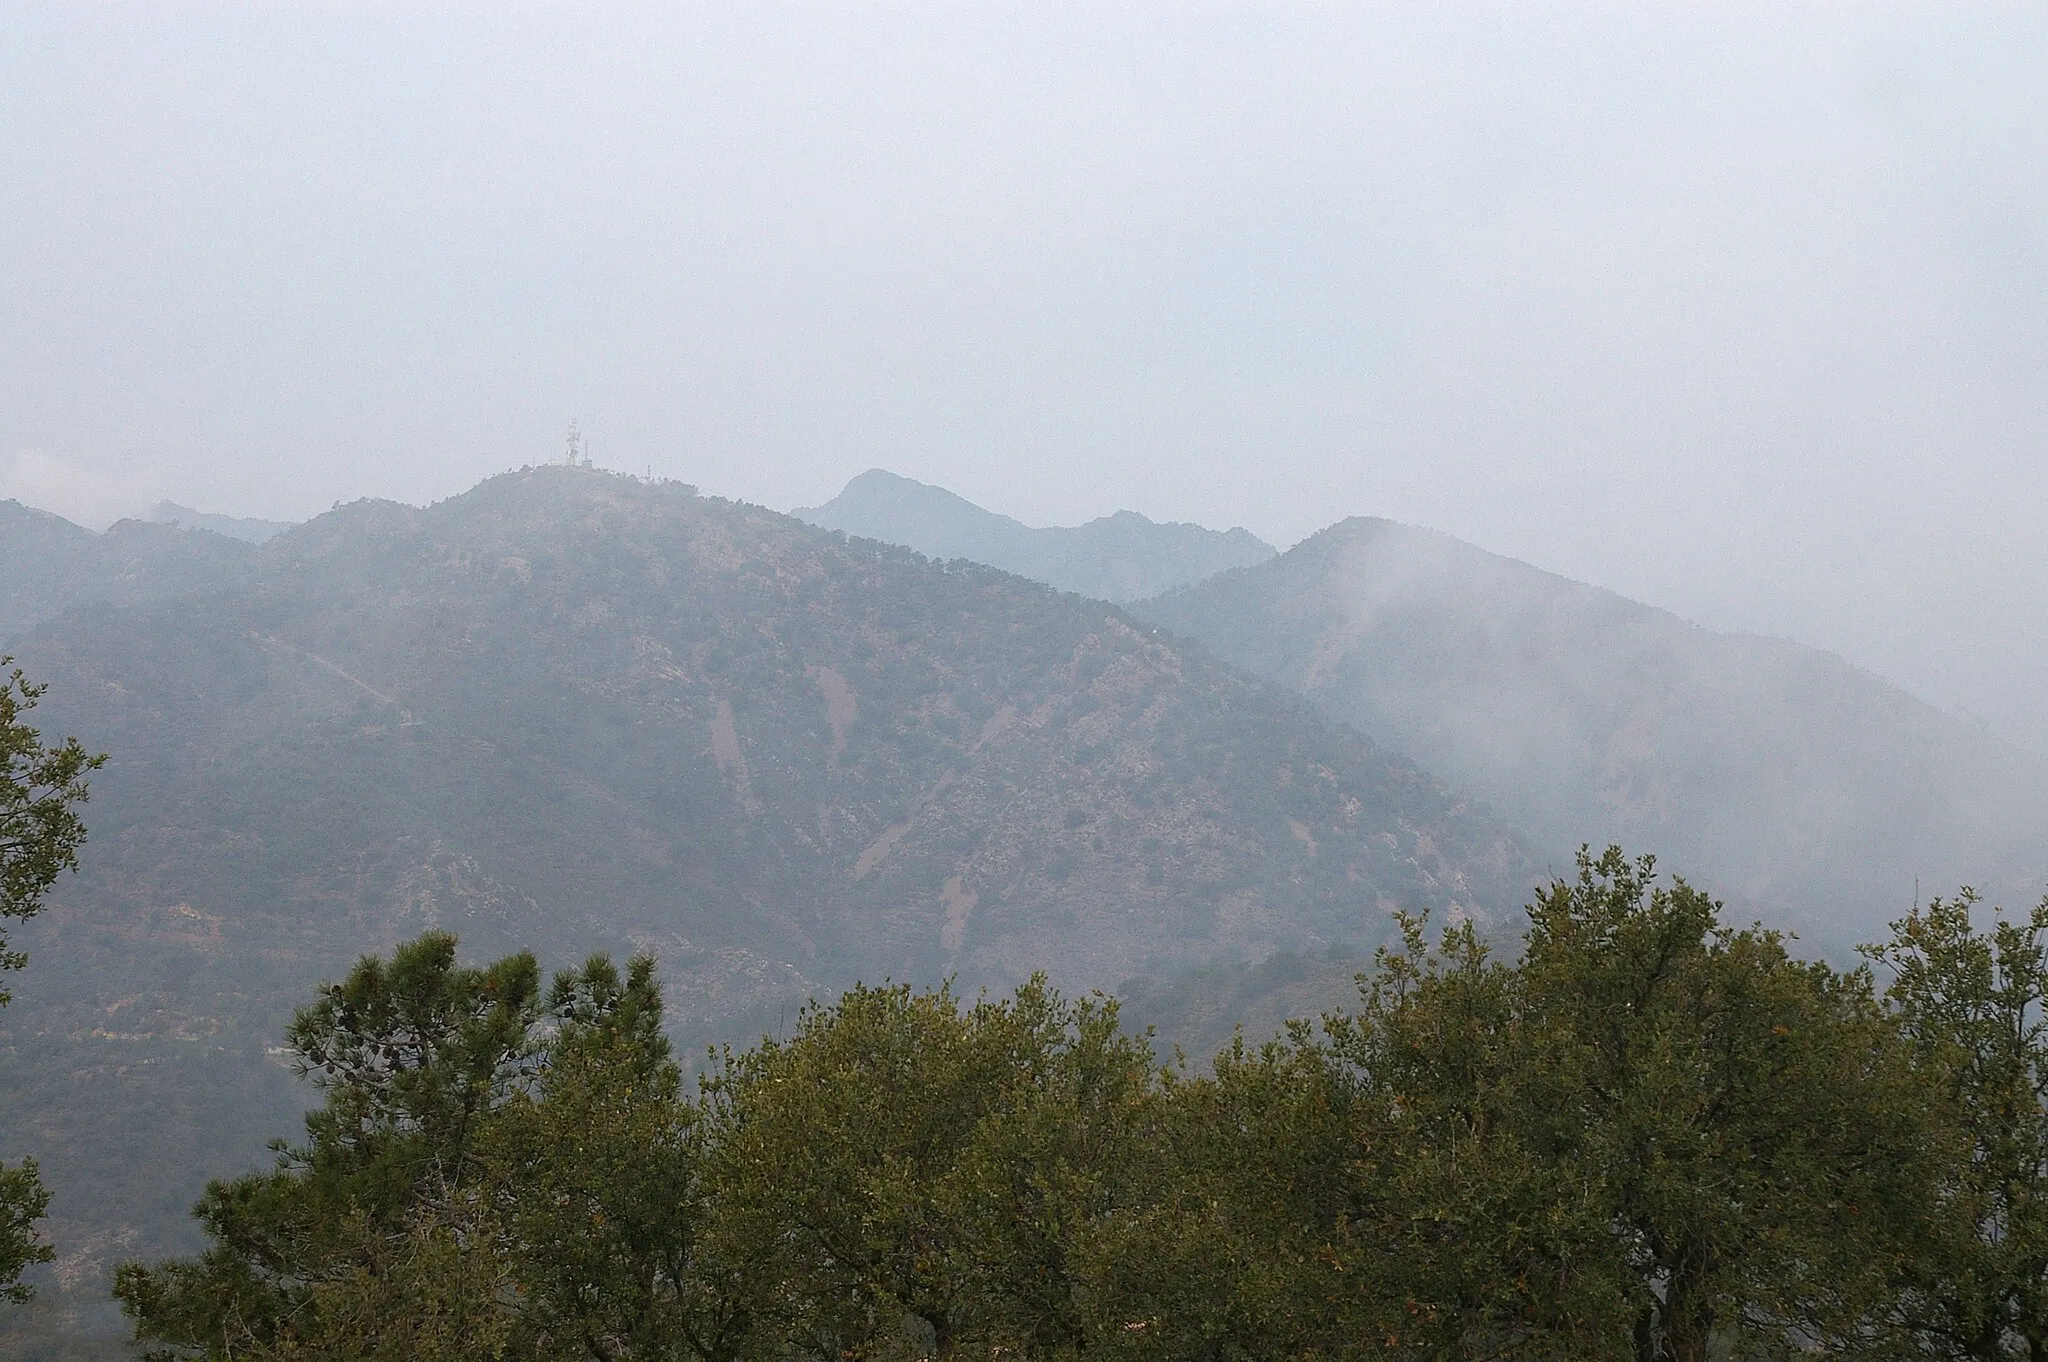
{"points": [[577, 455]]}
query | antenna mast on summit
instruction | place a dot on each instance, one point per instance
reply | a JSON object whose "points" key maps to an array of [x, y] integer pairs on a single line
{"points": [[577, 454]]}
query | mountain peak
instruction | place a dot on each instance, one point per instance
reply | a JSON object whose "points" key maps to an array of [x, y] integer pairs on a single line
{"points": [[1778, 775], [246, 528], [1124, 556]]}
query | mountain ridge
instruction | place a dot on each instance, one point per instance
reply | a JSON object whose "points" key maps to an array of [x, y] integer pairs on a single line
{"points": [[49, 564], [1119, 557], [571, 711], [249, 529], [1783, 775]]}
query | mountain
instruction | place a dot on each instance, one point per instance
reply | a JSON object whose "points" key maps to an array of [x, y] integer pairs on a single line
{"points": [[48, 565], [1121, 557], [1780, 775], [245, 528], [576, 711], [1195, 1015]]}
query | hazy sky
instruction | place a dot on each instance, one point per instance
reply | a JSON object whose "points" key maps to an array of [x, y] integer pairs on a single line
{"points": [[1740, 310]]}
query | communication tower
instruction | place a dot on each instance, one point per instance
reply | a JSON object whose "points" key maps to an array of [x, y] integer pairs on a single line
{"points": [[577, 455]]}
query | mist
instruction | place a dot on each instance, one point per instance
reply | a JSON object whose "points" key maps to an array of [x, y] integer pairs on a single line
{"points": [[1740, 311]]}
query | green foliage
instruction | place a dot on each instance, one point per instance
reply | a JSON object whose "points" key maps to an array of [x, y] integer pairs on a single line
{"points": [[1245, 1242], [493, 1173], [23, 1201], [413, 1055], [40, 791], [1504, 1236], [1970, 1004], [1746, 1109], [41, 788], [592, 1186], [918, 1175], [1649, 1138]]}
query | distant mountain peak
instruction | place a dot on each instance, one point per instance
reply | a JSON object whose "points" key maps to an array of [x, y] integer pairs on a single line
{"points": [[246, 528], [17, 517], [1779, 775], [1123, 556], [49, 565], [881, 481]]}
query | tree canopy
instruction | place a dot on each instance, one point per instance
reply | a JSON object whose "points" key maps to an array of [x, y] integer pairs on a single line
{"points": [[1649, 1136], [41, 787]]}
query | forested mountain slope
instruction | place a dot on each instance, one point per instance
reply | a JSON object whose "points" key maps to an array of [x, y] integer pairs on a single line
{"points": [[1780, 774], [1121, 557], [574, 711], [48, 564]]}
